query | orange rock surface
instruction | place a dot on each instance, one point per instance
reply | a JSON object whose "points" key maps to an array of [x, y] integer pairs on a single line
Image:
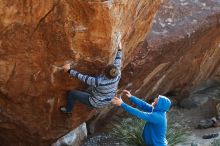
{"points": [[37, 37]]}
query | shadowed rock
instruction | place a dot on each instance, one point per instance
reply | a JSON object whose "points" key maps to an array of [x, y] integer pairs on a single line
{"points": [[209, 89]]}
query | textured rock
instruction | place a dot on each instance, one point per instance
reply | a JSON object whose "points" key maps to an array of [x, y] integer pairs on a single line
{"points": [[201, 94], [181, 50], [37, 37], [73, 138]]}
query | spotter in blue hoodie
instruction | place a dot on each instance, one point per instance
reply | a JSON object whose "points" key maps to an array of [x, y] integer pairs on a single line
{"points": [[154, 133]]}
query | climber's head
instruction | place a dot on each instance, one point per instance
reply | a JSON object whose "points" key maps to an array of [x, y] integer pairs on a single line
{"points": [[111, 71]]}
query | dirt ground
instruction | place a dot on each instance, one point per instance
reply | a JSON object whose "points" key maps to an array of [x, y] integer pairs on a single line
{"points": [[190, 118], [187, 119]]}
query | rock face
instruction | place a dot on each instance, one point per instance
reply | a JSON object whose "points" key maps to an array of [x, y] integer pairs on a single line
{"points": [[74, 138], [207, 90], [37, 37], [181, 51]]}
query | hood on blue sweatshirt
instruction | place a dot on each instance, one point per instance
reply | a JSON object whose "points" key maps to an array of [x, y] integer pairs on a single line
{"points": [[163, 104]]}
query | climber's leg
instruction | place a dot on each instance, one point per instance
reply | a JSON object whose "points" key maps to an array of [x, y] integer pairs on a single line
{"points": [[74, 95]]}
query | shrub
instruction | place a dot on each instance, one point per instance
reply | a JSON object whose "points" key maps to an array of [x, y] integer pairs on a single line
{"points": [[130, 131], [175, 133], [216, 142]]}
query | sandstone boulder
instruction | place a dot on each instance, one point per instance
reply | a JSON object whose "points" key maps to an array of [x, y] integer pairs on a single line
{"points": [[37, 37]]}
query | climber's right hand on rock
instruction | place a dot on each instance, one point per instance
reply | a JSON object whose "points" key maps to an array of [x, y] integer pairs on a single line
{"points": [[66, 67], [127, 93]]}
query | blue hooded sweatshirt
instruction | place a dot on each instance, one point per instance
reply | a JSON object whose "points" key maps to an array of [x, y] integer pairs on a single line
{"points": [[154, 133]]}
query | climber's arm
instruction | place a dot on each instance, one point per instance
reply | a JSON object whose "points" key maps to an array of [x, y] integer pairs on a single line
{"points": [[92, 81], [118, 58]]}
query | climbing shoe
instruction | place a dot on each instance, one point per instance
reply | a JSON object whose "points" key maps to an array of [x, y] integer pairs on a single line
{"points": [[64, 110]]}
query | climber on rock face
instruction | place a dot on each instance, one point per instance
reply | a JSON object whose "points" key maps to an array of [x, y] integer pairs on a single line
{"points": [[154, 133], [103, 87]]}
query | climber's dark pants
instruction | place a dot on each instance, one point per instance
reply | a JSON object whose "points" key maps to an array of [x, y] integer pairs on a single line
{"points": [[75, 95]]}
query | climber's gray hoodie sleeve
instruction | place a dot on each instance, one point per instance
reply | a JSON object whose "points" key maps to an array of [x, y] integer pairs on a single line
{"points": [[117, 61], [92, 81]]}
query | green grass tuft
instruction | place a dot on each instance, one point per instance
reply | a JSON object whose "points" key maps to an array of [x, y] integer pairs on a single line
{"points": [[216, 142], [129, 130]]}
